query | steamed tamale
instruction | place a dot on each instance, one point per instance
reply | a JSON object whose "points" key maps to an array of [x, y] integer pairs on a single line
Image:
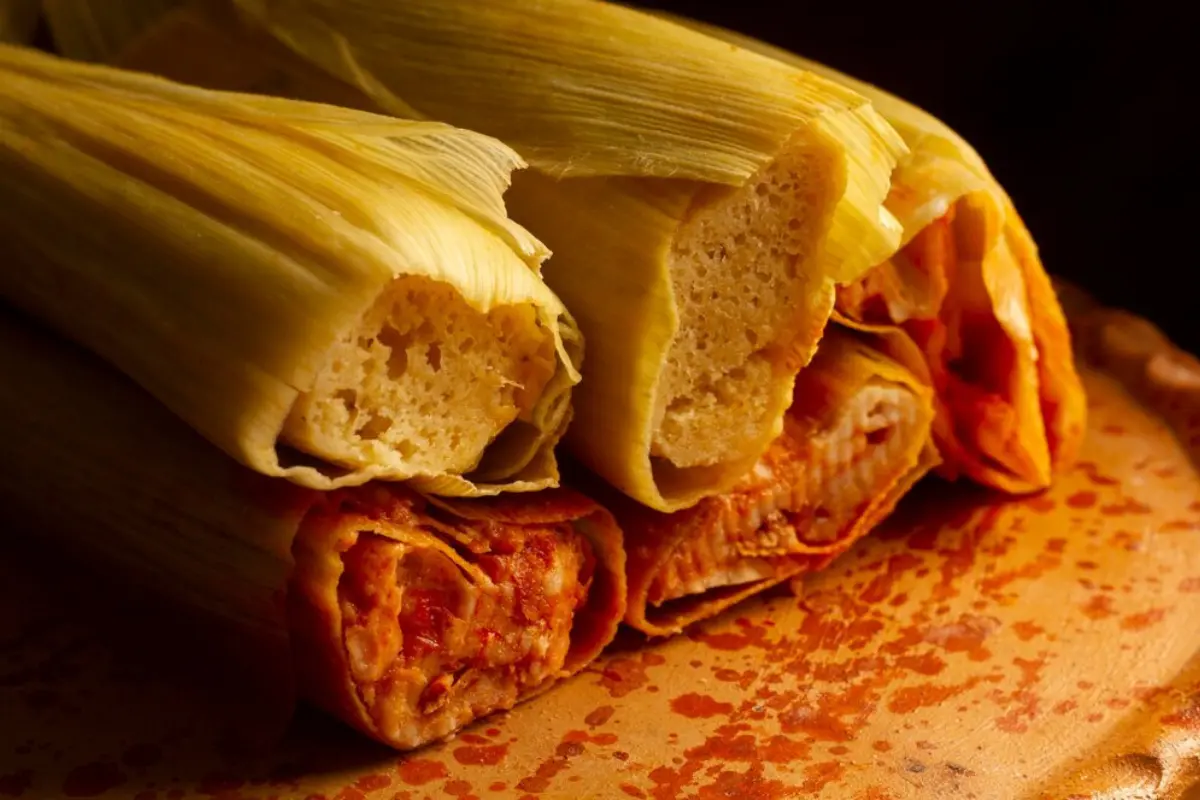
{"points": [[822, 457], [855, 440], [702, 203], [99, 30], [294, 280], [405, 616], [18, 20], [969, 287]]}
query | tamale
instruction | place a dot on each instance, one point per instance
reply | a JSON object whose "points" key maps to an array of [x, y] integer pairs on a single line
{"points": [[210, 50], [18, 20], [296, 281], [98, 30], [969, 287], [854, 442], [405, 616], [702, 203]]}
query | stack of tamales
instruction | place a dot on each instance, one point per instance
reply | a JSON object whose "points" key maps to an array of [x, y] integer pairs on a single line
{"points": [[798, 295]]}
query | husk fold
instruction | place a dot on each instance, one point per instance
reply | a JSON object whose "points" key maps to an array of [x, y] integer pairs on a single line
{"points": [[98, 30], [220, 244], [1035, 431], [629, 120]]}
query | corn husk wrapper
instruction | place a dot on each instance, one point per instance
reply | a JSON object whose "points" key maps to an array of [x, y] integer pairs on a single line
{"points": [[975, 293], [222, 246], [99, 30], [18, 20], [110, 476], [631, 124]]}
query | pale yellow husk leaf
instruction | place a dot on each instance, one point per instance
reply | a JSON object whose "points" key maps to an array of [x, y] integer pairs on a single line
{"points": [[214, 246], [940, 171], [628, 119]]}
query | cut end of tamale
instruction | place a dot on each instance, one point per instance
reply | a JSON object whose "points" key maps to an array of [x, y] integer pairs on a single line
{"points": [[476, 373], [410, 620], [751, 308], [854, 441], [290, 274]]}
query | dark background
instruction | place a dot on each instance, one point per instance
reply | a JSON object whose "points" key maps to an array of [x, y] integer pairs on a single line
{"points": [[1084, 116]]}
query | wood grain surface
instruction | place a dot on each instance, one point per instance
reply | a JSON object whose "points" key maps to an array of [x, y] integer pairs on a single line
{"points": [[975, 647]]}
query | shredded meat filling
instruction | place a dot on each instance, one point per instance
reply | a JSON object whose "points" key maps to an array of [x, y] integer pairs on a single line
{"points": [[804, 495], [433, 641]]}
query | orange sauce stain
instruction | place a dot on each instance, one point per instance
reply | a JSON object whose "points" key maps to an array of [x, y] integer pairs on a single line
{"points": [[373, 783], [1139, 622], [1189, 585], [699, 706], [1041, 504], [420, 771], [599, 716], [1064, 707], [909, 698], [481, 755], [1026, 630], [633, 791], [1082, 500], [818, 776], [1126, 507], [459, 789], [1099, 607], [882, 746]]}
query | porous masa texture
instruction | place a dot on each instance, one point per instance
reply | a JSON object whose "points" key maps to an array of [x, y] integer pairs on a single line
{"points": [[746, 304], [424, 382]]}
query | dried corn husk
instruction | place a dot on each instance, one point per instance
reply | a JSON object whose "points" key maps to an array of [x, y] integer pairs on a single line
{"points": [[18, 20], [98, 30], [109, 475], [975, 292], [650, 144], [285, 273]]}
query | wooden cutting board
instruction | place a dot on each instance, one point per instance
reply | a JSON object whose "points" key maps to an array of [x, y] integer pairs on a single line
{"points": [[975, 647]]}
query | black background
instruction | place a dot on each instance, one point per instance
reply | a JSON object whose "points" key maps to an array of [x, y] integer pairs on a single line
{"points": [[1085, 116]]}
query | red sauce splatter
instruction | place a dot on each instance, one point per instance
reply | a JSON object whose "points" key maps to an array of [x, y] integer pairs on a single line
{"points": [[1092, 471], [633, 791], [498, 786], [1089, 565], [599, 716], [1041, 504], [910, 698], [493, 732], [875, 793], [1125, 507], [1085, 685], [15, 784], [92, 780], [882, 746], [699, 706], [751, 785], [1027, 629], [1081, 500], [839, 750], [1099, 607], [880, 588], [1180, 525], [1143, 620], [626, 674], [818, 776], [481, 755], [1056, 545], [1094, 717], [420, 771], [1189, 585], [141, 756], [460, 789], [1065, 707]]}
